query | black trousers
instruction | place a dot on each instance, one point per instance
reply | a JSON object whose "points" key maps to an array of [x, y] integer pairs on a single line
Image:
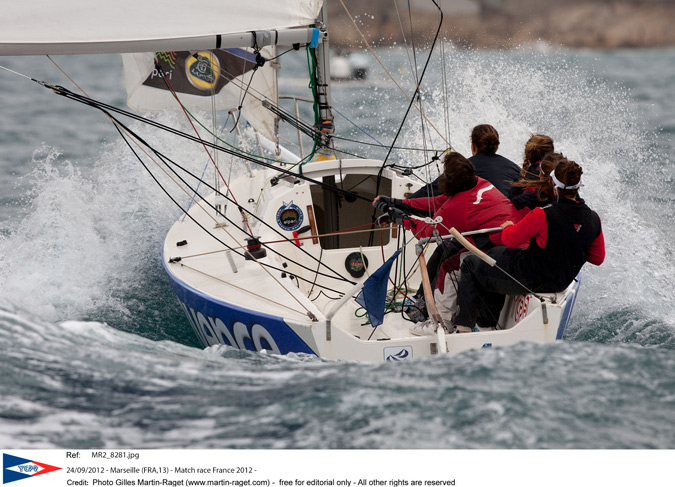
{"points": [[482, 287], [449, 248]]}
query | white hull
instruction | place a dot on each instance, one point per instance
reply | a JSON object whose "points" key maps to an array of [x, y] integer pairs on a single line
{"points": [[237, 302]]}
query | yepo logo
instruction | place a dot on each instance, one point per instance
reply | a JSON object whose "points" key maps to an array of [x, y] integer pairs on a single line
{"points": [[16, 468]]}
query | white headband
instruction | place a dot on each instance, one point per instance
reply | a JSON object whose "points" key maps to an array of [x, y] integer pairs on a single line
{"points": [[560, 185]]}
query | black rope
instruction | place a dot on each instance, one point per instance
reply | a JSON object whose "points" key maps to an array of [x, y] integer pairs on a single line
{"points": [[59, 90], [412, 98], [165, 159], [243, 97], [381, 146], [412, 101]]}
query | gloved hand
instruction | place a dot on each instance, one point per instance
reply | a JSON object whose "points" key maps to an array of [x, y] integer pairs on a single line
{"points": [[383, 203], [397, 216]]}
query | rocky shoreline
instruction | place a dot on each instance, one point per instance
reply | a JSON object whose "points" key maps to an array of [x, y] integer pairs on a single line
{"points": [[510, 23]]}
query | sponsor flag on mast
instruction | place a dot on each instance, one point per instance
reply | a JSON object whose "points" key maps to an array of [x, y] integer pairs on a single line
{"points": [[224, 79]]}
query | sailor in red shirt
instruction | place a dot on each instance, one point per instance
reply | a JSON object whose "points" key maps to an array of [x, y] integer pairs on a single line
{"points": [[563, 236], [467, 203]]}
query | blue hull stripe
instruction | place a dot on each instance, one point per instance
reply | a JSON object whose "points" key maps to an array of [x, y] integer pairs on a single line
{"points": [[216, 321]]}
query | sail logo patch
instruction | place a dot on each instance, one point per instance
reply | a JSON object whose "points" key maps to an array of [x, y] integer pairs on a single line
{"points": [[289, 217], [397, 354], [17, 468], [202, 70], [169, 57]]}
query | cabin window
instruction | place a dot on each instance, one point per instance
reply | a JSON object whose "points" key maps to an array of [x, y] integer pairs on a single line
{"points": [[349, 212]]}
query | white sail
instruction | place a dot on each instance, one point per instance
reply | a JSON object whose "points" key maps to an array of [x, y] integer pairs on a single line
{"points": [[34, 27], [224, 79]]}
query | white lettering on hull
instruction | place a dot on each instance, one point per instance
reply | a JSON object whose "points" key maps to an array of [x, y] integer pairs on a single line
{"points": [[213, 331]]}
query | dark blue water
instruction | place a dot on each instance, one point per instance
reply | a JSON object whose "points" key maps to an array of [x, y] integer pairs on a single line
{"points": [[95, 352]]}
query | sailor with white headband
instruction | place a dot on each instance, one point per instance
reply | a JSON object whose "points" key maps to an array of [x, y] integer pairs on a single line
{"points": [[560, 185], [562, 236]]}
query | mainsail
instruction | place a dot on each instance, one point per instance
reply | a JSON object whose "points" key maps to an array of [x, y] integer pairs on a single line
{"points": [[83, 27], [206, 48], [221, 79]]}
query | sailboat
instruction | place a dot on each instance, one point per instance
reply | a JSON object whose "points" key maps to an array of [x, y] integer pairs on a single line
{"points": [[287, 256]]}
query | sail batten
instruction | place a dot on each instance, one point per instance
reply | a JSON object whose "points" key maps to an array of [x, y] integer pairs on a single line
{"points": [[80, 27]]}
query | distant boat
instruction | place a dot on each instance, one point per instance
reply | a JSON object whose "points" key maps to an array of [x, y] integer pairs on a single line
{"points": [[350, 66], [272, 259]]}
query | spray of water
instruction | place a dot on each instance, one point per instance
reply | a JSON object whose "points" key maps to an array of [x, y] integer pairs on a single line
{"points": [[88, 246], [593, 121]]}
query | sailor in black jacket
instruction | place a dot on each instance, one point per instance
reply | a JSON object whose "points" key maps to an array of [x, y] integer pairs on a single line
{"points": [[499, 170]]}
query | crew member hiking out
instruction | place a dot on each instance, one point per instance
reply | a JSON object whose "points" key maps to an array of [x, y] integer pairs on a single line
{"points": [[563, 236], [467, 202]]}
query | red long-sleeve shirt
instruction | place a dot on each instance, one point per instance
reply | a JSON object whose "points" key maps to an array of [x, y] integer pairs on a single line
{"points": [[534, 224], [482, 206]]}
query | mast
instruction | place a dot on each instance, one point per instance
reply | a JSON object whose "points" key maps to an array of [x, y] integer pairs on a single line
{"points": [[326, 128], [325, 122]]}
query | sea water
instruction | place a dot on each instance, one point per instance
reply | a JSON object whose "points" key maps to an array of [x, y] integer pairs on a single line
{"points": [[96, 353]]}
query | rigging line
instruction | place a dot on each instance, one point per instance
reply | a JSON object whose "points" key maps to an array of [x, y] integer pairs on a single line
{"points": [[233, 147], [196, 190], [180, 103], [292, 120], [206, 167], [19, 74], [414, 50], [241, 89], [405, 41], [372, 51], [229, 283], [286, 240], [337, 275], [241, 101], [87, 95], [311, 290], [236, 82], [111, 118], [424, 70], [417, 89], [67, 76], [318, 295], [444, 75], [421, 166], [118, 125], [380, 144], [214, 126], [349, 154], [59, 90], [165, 159], [418, 82]]}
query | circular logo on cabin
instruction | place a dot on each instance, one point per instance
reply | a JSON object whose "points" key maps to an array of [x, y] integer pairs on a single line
{"points": [[202, 70], [289, 217], [355, 265]]}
